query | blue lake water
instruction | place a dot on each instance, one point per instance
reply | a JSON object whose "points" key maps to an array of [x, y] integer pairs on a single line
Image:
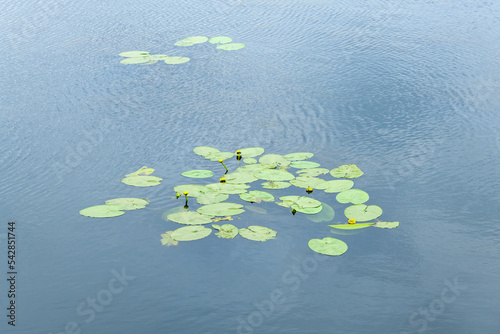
{"points": [[407, 90]]}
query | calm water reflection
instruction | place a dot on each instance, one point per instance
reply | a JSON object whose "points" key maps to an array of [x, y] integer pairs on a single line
{"points": [[406, 90]]}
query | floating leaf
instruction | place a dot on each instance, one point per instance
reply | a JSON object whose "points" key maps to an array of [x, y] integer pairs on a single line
{"points": [[170, 211], [276, 185], [250, 161], [312, 172], [174, 60], [129, 203], [304, 164], [194, 190], [167, 239], [251, 152], [189, 218], [158, 57], [386, 224], [309, 211], [220, 40], [198, 173], [219, 155], [142, 181], [228, 188], [335, 186], [325, 215], [211, 197], [274, 160], [227, 231], [134, 54], [188, 41], [103, 211], [273, 175], [298, 156], [362, 212], [251, 168], [355, 226], [306, 182], [141, 171], [288, 201], [231, 46], [240, 177], [256, 196], [354, 196], [188, 233], [348, 171], [135, 60], [205, 150], [328, 246], [221, 209], [257, 233]]}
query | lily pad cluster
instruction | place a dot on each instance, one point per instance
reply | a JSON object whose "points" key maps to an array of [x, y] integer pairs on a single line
{"points": [[146, 58], [273, 172]]}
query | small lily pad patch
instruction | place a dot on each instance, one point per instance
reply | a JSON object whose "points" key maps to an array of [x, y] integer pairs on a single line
{"points": [[227, 231], [328, 246], [189, 233], [257, 233]]}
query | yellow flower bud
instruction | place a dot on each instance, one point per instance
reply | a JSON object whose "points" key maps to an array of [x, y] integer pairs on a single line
{"points": [[352, 221]]}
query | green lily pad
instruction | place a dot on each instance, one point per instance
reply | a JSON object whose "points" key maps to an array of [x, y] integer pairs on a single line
{"points": [[135, 60], [141, 171], [205, 151], [188, 233], [257, 233], [170, 211], [304, 164], [312, 172], [134, 54], [103, 211], [231, 46], [251, 168], [351, 226], [240, 177], [251, 152], [274, 160], [158, 57], [174, 60], [273, 175], [198, 173], [250, 161], [211, 197], [306, 182], [189, 218], [309, 211], [221, 209], [325, 215], [219, 155], [335, 186], [228, 188], [220, 40], [276, 185], [362, 212], [188, 41], [227, 231], [386, 224], [354, 196], [347, 171], [307, 202], [328, 246], [298, 156], [194, 190], [257, 196], [129, 203], [166, 239], [142, 181], [288, 201]]}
